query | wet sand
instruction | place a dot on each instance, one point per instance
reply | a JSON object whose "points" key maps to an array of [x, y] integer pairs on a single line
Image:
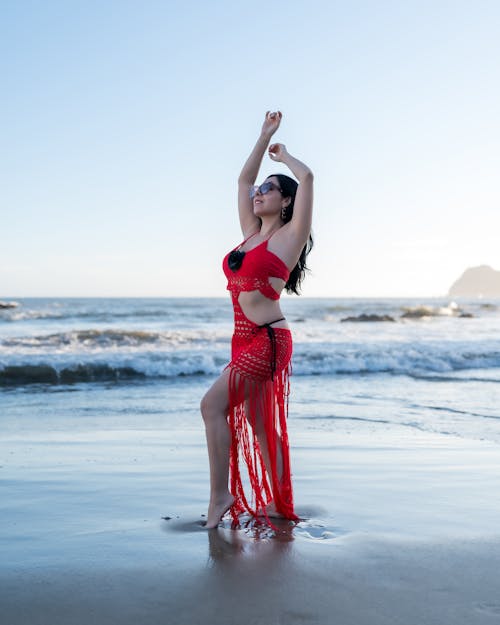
{"points": [[399, 527]]}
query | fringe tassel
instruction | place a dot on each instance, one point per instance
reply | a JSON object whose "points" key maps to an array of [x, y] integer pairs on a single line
{"points": [[262, 414]]}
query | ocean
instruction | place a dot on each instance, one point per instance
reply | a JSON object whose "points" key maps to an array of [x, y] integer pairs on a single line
{"points": [[435, 367]]}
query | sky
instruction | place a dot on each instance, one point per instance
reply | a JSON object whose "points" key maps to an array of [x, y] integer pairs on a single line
{"points": [[125, 125]]}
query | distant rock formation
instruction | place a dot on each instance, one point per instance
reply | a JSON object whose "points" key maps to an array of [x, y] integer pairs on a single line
{"points": [[5, 305], [482, 281], [421, 312], [365, 317]]}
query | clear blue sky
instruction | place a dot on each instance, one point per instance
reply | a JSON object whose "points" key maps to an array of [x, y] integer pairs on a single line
{"points": [[125, 125]]}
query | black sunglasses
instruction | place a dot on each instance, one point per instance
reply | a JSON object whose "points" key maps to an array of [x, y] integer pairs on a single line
{"points": [[264, 188]]}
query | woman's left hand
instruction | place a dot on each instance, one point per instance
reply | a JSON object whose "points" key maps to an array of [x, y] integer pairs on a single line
{"points": [[277, 152]]}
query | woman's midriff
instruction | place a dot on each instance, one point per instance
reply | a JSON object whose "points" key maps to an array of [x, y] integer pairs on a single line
{"points": [[259, 309]]}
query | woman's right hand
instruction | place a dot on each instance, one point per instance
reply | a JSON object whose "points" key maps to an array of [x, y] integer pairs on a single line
{"points": [[271, 124], [277, 152]]}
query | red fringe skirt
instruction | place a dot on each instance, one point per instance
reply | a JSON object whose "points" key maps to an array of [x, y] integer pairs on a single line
{"points": [[258, 408]]}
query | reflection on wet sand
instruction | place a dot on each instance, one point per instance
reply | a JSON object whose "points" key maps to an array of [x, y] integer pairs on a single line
{"points": [[254, 573], [251, 541]]}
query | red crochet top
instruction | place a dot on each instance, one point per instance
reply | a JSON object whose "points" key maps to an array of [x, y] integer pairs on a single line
{"points": [[259, 264]]}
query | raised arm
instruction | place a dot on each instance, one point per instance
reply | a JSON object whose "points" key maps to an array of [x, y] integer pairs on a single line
{"points": [[299, 226], [248, 221]]}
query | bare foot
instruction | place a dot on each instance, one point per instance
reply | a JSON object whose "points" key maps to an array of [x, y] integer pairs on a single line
{"points": [[217, 510]]}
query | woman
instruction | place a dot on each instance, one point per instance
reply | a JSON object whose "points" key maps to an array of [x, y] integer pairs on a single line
{"points": [[245, 410]]}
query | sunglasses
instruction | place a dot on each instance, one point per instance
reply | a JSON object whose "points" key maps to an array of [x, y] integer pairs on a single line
{"points": [[263, 189]]}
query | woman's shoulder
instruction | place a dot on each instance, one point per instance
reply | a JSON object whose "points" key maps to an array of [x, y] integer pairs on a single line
{"points": [[286, 244]]}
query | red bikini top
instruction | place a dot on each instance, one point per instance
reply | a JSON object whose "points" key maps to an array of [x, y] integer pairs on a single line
{"points": [[259, 264]]}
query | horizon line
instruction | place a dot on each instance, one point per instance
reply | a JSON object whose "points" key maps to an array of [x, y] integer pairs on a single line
{"points": [[428, 296]]}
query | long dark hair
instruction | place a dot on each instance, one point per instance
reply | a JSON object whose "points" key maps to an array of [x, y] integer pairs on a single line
{"points": [[289, 189]]}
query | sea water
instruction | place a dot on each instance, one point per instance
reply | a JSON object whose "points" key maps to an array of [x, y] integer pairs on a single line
{"points": [[433, 364]]}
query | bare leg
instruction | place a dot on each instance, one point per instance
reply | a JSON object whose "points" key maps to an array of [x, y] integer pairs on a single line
{"points": [[214, 409]]}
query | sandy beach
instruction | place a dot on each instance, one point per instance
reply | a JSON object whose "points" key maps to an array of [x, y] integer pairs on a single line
{"points": [[400, 526]]}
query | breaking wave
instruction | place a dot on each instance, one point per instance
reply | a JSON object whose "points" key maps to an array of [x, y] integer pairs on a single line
{"points": [[93, 356]]}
